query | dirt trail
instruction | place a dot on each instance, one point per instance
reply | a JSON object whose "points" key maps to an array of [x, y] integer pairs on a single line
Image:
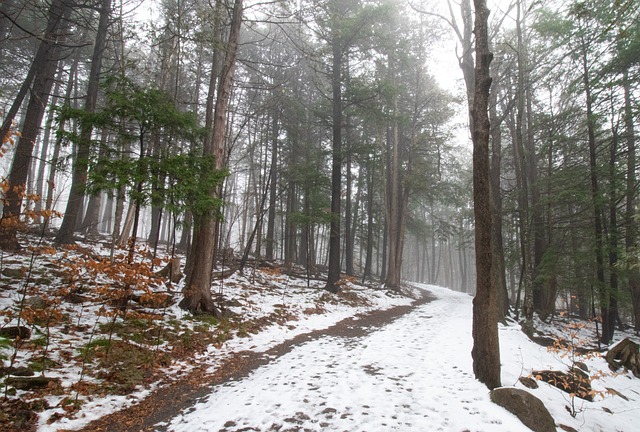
{"points": [[168, 401]]}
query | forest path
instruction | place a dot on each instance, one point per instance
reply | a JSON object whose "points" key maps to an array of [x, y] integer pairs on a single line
{"points": [[168, 401], [412, 374]]}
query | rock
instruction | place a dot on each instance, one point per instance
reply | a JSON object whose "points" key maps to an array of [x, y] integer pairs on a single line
{"points": [[13, 332], [528, 408], [13, 273], [36, 303], [625, 353], [529, 382], [567, 428], [17, 371], [575, 381], [31, 383]]}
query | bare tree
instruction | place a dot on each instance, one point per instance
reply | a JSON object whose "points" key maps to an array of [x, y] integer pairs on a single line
{"points": [[485, 352]]}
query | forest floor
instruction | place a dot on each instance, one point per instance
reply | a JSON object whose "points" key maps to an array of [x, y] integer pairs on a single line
{"points": [[119, 355], [98, 335]]}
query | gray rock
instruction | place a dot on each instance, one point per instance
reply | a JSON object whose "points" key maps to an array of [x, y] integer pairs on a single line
{"points": [[529, 382], [528, 408], [36, 303], [13, 273]]}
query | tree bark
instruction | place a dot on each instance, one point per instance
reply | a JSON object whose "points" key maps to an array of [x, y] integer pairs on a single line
{"points": [[498, 267], [393, 202], [41, 76], [595, 197], [197, 290], [336, 163], [631, 238], [210, 107], [80, 165], [485, 352], [273, 187]]}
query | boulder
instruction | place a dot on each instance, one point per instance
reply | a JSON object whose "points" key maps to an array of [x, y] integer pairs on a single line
{"points": [[528, 408]]}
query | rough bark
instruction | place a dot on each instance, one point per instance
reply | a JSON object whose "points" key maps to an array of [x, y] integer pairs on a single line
{"points": [[595, 197], [393, 211], [197, 290], [80, 165], [210, 107], [40, 76], [485, 352], [498, 267], [631, 238], [336, 164], [273, 191]]}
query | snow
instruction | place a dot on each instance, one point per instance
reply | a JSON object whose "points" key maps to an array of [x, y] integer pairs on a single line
{"points": [[414, 374], [303, 307]]}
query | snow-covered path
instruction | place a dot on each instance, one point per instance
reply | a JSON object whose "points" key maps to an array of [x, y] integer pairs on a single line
{"points": [[412, 375]]}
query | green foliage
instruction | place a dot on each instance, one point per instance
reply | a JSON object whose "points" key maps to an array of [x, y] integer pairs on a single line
{"points": [[90, 349], [5, 347], [146, 120]]}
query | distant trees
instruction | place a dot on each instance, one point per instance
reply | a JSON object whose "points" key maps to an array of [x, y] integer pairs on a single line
{"points": [[332, 134], [335, 148]]}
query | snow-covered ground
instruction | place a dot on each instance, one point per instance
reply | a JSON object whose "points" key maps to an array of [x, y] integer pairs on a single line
{"points": [[267, 308], [412, 375]]}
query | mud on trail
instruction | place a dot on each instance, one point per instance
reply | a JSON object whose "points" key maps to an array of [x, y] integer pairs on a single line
{"points": [[167, 401]]}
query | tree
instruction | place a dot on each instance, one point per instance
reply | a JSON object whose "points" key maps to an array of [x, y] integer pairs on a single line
{"points": [[65, 233], [39, 80], [485, 352], [197, 289]]}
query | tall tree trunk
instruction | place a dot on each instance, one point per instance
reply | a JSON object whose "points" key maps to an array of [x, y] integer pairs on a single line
{"points": [[210, 107], [41, 76], [80, 165], [486, 351], [631, 238], [595, 197], [197, 290], [348, 209], [273, 186], [498, 267], [368, 264], [336, 163], [393, 206], [613, 237]]}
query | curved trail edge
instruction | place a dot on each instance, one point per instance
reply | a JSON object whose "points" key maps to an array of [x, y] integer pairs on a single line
{"points": [[168, 400]]}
